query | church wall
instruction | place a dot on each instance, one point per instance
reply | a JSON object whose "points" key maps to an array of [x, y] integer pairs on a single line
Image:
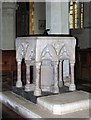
{"points": [[90, 26], [8, 68], [83, 35], [0, 22], [8, 26], [83, 65], [90, 37]]}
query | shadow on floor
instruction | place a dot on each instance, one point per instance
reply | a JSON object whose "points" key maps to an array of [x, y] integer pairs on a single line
{"points": [[8, 114]]}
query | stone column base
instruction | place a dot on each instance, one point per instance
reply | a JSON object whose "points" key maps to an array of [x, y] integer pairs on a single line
{"points": [[56, 89], [27, 87], [37, 92], [60, 83], [72, 87], [18, 84]]}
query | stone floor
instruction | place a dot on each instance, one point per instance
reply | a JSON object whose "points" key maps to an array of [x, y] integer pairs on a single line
{"points": [[6, 86], [8, 113], [30, 110]]}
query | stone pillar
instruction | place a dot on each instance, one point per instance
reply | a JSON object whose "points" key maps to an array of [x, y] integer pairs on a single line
{"points": [[57, 20], [56, 88], [27, 86], [37, 91], [60, 74], [19, 82], [72, 86], [57, 16], [66, 69]]}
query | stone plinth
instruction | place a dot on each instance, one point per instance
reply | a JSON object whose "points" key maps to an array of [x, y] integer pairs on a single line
{"points": [[65, 103]]}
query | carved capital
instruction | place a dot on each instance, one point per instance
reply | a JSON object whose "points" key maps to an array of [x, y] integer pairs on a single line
{"points": [[19, 60], [55, 63], [27, 62], [72, 61], [38, 64], [60, 61]]}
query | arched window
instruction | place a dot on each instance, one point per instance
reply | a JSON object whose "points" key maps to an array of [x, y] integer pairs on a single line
{"points": [[76, 14]]}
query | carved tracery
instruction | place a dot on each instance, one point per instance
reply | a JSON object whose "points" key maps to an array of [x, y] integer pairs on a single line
{"points": [[49, 53], [64, 54]]}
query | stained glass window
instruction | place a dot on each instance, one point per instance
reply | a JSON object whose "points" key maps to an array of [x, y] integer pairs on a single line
{"points": [[76, 14]]}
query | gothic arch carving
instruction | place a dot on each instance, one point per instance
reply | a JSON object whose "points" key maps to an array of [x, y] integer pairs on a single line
{"points": [[63, 53], [30, 53], [49, 52], [20, 52]]}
